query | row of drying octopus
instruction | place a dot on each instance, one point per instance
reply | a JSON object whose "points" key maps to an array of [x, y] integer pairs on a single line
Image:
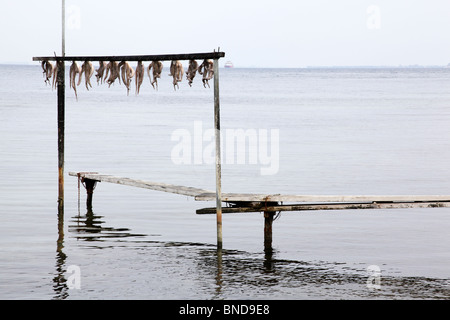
{"points": [[110, 72]]}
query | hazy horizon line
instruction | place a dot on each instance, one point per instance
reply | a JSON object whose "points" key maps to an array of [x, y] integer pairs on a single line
{"points": [[31, 63]]}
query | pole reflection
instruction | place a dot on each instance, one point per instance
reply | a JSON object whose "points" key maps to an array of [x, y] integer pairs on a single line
{"points": [[234, 267], [60, 288], [219, 279]]}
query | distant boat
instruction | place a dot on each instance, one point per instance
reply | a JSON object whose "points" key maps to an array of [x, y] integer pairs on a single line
{"points": [[228, 64]]}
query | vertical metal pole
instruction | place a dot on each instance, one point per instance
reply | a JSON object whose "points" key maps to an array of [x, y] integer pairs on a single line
{"points": [[63, 45], [61, 116], [218, 161]]}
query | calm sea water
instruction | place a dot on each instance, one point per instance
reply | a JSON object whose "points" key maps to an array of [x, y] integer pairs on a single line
{"points": [[341, 131]]}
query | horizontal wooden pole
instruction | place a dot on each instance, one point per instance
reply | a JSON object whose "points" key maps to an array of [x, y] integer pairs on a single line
{"points": [[331, 206], [157, 57]]}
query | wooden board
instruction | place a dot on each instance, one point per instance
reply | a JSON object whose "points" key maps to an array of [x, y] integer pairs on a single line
{"points": [[187, 191], [239, 197], [154, 57], [329, 206], [271, 202]]}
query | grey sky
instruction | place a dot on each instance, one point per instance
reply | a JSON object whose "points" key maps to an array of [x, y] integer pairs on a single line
{"points": [[282, 33]]}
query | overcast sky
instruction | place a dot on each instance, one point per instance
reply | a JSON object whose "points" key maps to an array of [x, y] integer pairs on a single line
{"points": [[281, 33]]}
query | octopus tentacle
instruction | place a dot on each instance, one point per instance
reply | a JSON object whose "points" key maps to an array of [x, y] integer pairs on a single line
{"points": [[192, 70], [122, 71], [176, 71], [100, 71], [55, 76], [47, 70], [113, 67], [139, 76], [207, 70], [150, 66], [127, 74], [74, 69], [88, 72], [107, 69], [157, 69], [88, 69]]}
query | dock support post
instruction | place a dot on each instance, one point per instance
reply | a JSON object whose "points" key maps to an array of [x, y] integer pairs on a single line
{"points": [[218, 160], [268, 220], [90, 186]]}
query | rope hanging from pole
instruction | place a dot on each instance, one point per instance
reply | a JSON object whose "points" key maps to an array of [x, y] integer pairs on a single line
{"points": [[79, 182]]}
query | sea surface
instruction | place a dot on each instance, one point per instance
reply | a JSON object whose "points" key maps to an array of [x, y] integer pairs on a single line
{"points": [[345, 131]]}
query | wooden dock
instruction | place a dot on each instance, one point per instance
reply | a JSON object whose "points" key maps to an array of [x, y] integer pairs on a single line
{"points": [[250, 202], [238, 197], [270, 204], [157, 186]]}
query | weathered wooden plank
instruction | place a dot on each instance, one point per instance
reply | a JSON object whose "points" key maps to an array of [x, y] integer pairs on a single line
{"points": [[238, 197], [154, 57], [331, 206], [267, 201], [183, 190]]}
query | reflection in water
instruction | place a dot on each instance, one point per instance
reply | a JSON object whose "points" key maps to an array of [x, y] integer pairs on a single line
{"points": [[60, 286], [181, 270], [218, 273], [241, 275], [89, 228]]}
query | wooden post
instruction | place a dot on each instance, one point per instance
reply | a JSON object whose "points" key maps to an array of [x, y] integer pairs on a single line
{"points": [[63, 28], [61, 115], [218, 160], [268, 220], [61, 127], [90, 186]]}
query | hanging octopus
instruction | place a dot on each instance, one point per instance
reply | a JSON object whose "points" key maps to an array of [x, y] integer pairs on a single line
{"points": [[100, 71], [208, 71], [55, 76], [47, 68], [176, 71], [112, 68], [88, 69], [139, 76], [127, 74], [192, 70], [157, 69], [74, 69]]}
